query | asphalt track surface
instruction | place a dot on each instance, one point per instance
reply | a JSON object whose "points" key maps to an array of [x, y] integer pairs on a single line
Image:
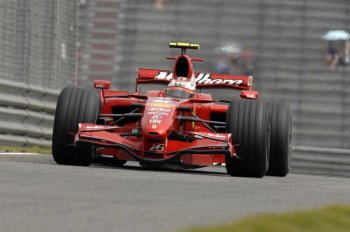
{"points": [[38, 195]]}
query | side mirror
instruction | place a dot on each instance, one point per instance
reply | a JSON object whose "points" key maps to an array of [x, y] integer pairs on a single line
{"points": [[102, 84]]}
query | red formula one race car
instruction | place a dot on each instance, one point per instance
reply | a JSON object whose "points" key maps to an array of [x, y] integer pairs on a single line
{"points": [[175, 119]]}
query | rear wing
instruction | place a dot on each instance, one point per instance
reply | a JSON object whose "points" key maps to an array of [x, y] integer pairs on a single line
{"points": [[203, 80]]}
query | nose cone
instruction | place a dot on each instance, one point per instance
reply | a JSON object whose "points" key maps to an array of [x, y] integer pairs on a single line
{"points": [[158, 117]]}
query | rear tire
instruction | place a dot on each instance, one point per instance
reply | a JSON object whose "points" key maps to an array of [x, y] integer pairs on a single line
{"points": [[281, 139], [74, 106], [248, 122]]}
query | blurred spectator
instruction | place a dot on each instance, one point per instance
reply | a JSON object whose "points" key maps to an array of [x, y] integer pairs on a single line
{"points": [[337, 54], [160, 4], [231, 59], [248, 62], [344, 55], [347, 51], [338, 48], [222, 65], [332, 57]]}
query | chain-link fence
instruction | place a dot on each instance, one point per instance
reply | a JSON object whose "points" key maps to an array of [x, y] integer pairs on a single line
{"points": [[38, 41]]}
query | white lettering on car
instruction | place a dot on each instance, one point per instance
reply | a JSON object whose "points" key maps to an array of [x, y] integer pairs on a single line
{"points": [[162, 100], [160, 109], [94, 127], [204, 79], [164, 76], [155, 121], [201, 78], [157, 113], [216, 135], [157, 147]]}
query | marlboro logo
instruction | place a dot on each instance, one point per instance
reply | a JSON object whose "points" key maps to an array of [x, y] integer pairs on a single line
{"points": [[201, 79]]}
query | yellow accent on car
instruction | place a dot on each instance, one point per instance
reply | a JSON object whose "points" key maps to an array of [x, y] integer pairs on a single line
{"points": [[194, 123], [183, 45]]}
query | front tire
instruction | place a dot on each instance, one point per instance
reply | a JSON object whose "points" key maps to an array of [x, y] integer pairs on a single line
{"points": [[248, 122], [74, 106]]}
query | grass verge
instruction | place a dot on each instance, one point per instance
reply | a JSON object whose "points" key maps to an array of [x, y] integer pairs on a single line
{"points": [[335, 218], [34, 149]]}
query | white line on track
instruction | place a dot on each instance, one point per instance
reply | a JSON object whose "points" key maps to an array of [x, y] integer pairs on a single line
{"points": [[18, 153]]}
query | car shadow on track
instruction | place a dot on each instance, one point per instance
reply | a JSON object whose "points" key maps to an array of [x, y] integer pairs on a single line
{"points": [[130, 166], [216, 171]]}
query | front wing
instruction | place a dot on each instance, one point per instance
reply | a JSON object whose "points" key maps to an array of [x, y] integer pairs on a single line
{"points": [[200, 148]]}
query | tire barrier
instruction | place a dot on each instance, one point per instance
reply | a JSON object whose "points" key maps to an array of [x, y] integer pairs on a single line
{"points": [[26, 114]]}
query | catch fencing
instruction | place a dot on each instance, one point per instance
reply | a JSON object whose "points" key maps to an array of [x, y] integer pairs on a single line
{"points": [[38, 40]]}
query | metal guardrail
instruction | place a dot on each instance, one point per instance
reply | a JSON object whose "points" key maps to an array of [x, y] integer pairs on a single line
{"points": [[26, 114], [321, 161]]}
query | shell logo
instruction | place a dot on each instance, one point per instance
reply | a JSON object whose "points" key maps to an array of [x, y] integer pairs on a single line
{"points": [[161, 104]]}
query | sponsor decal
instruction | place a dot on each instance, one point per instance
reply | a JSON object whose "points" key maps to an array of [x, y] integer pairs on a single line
{"points": [[160, 104], [216, 136], [94, 127], [154, 126], [162, 100], [185, 84], [156, 117], [157, 147], [201, 79], [157, 113], [155, 121], [198, 136], [204, 79], [160, 109], [209, 135], [164, 76]]}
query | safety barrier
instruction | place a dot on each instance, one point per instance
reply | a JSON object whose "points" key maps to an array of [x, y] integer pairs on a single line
{"points": [[26, 114], [321, 161]]}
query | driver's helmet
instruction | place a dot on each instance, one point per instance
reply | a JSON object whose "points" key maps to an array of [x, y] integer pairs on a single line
{"points": [[181, 88]]}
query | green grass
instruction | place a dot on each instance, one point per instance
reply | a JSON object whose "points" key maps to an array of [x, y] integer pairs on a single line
{"points": [[334, 218], [34, 149]]}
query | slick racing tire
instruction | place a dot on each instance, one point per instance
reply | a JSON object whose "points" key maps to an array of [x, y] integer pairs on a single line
{"points": [[248, 122], [74, 106], [281, 139]]}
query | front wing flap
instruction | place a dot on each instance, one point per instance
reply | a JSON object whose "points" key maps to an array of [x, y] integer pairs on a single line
{"points": [[142, 149]]}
